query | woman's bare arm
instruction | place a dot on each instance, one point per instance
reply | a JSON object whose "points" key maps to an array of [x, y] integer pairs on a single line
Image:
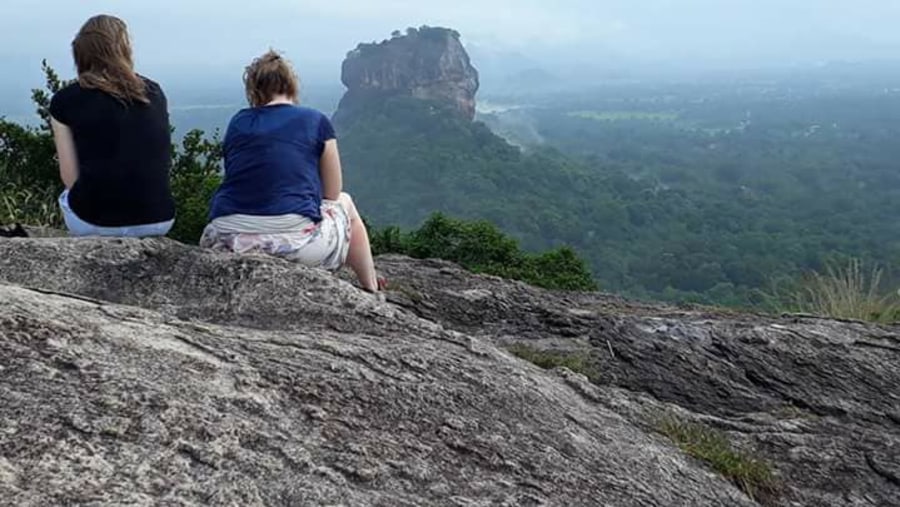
{"points": [[330, 171], [65, 152]]}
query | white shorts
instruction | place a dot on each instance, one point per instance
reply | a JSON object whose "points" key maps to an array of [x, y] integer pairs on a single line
{"points": [[322, 245]]}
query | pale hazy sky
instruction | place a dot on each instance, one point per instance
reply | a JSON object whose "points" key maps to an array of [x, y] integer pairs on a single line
{"points": [[195, 38]]}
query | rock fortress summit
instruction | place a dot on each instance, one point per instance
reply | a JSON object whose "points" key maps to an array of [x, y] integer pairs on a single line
{"points": [[426, 63]]}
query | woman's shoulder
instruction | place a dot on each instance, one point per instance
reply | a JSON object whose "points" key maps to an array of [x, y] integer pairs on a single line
{"points": [[308, 112], [153, 88], [149, 83], [317, 123], [73, 89], [65, 99], [240, 121], [290, 113], [294, 114], [243, 113]]}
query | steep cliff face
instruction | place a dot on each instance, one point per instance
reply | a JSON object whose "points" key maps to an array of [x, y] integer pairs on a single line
{"points": [[143, 372], [428, 63]]}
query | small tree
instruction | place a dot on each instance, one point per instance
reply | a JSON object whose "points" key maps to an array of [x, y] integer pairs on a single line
{"points": [[41, 97], [29, 174], [479, 246], [196, 174]]}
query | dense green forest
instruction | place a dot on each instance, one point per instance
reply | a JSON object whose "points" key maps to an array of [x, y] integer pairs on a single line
{"points": [[667, 194]]}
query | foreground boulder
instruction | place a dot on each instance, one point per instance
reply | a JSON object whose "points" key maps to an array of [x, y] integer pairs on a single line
{"points": [[144, 371]]}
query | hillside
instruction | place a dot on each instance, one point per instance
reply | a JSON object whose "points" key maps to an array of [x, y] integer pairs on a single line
{"points": [[439, 161], [670, 193], [140, 371]]}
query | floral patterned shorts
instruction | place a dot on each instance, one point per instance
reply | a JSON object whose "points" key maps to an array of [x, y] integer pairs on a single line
{"points": [[323, 245]]}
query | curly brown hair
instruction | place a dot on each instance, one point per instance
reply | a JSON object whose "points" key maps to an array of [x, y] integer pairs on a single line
{"points": [[102, 53], [269, 75]]}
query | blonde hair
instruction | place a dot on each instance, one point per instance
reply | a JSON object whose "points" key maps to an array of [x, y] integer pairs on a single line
{"points": [[102, 53], [270, 75]]}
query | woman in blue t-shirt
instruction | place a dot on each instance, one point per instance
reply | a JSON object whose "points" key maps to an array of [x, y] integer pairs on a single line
{"points": [[282, 191], [111, 129]]}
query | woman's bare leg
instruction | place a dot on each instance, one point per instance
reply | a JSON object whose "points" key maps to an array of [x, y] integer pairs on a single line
{"points": [[359, 258]]}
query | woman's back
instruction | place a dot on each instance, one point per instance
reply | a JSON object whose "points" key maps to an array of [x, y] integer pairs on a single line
{"points": [[272, 158], [124, 155]]}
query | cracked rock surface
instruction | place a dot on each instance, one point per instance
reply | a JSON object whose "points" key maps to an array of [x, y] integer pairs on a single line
{"points": [[146, 372]]}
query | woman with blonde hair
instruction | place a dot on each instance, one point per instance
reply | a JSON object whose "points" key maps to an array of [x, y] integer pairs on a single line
{"points": [[111, 129], [283, 188]]}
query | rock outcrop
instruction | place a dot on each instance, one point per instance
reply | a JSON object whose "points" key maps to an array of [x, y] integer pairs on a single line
{"points": [[427, 63], [146, 372]]}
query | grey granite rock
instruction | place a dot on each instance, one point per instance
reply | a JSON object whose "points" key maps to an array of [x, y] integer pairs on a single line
{"points": [[430, 63], [149, 372]]}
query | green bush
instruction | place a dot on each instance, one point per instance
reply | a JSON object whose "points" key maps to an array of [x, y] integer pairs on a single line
{"points": [[29, 174], [195, 177], [480, 247], [559, 269], [27, 157]]}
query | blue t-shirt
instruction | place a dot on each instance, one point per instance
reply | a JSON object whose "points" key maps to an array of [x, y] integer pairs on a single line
{"points": [[272, 158]]}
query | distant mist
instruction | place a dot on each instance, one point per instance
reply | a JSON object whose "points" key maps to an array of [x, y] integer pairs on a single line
{"points": [[202, 45]]}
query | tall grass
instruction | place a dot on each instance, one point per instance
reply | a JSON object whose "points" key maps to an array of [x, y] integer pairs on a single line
{"points": [[754, 476], [29, 206], [578, 362], [848, 292]]}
